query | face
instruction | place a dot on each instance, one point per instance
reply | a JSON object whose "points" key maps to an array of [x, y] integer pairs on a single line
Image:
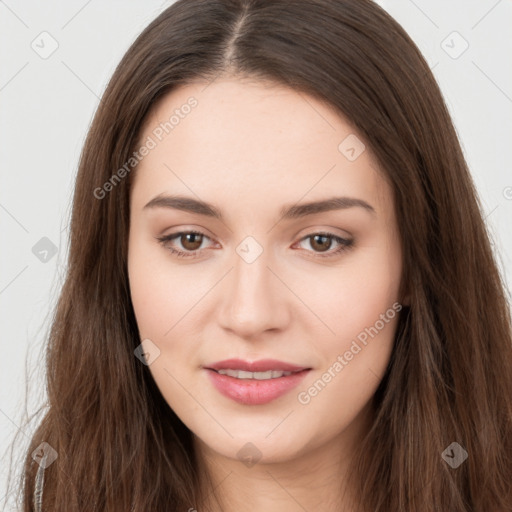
{"points": [[256, 274]]}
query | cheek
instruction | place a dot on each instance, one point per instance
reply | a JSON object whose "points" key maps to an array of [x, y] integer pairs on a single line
{"points": [[166, 298], [161, 300], [361, 307], [160, 291], [147, 287], [353, 296]]}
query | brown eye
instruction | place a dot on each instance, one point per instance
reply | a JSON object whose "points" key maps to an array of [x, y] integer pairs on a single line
{"points": [[184, 244], [191, 241], [321, 242]]}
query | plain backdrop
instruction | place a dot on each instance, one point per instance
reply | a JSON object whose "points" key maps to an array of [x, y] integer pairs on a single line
{"points": [[55, 60]]}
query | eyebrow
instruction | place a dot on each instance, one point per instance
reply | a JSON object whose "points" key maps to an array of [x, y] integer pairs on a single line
{"points": [[287, 212]]}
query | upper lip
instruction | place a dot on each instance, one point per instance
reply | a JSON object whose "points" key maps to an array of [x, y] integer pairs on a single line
{"points": [[262, 365]]}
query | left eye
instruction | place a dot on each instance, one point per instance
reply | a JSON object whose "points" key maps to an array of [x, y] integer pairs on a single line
{"points": [[323, 241], [191, 242]]}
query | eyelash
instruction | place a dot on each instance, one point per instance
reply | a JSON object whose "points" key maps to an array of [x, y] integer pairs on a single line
{"points": [[345, 244]]}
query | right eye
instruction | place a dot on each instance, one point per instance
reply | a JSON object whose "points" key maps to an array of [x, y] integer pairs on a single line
{"points": [[192, 239]]}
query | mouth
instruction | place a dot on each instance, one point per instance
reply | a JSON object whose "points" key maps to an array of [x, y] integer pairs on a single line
{"points": [[245, 375], [260, 366], [255, 383]]}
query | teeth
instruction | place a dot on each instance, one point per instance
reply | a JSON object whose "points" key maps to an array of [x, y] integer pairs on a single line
{"points": [[241, 374]]}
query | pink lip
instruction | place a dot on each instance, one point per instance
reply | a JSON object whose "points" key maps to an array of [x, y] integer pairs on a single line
{"points": [[253, 391], [262, 365]]}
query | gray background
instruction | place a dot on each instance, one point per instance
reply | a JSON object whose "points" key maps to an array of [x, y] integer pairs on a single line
{"points": [[47, 103]]}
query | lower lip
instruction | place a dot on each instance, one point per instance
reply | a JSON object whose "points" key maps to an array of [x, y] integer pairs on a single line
{"points": [[253, 391]]}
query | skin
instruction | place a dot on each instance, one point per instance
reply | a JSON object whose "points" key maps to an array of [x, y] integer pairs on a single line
{"points": [[250, 148]]}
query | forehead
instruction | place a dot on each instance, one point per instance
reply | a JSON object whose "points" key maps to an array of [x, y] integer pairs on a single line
{"points": [[255, 142]]}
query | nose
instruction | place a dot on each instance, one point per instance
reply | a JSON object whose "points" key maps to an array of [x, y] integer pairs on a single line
{"points": [[253, 299]]}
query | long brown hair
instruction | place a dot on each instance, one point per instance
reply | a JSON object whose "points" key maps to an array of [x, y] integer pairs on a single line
{"points": [[449, 380]]}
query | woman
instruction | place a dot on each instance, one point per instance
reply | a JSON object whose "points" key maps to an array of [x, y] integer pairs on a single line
{"points": [[281, 294]]}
